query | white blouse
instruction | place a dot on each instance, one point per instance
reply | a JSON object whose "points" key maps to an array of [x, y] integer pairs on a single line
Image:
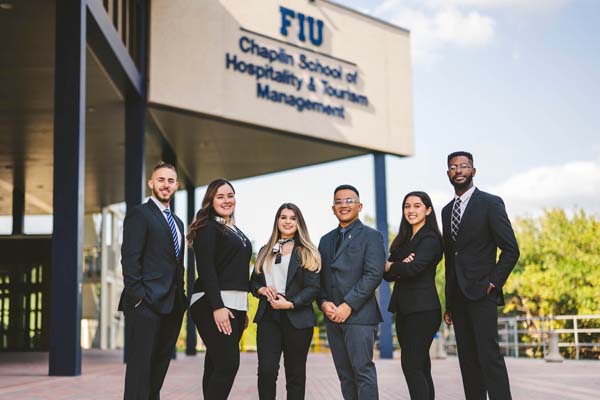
{"points": [[234, 299], [276, 274]]}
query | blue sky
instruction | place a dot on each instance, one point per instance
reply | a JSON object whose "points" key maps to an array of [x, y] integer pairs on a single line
{"points": [[516, 82]]}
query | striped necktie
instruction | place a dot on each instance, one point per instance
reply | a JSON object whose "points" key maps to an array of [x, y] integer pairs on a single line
{"points": [[171, 221], [455, 222]]}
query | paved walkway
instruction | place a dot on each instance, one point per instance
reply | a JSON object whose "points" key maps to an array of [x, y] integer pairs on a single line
{"points": [[23, 376]]}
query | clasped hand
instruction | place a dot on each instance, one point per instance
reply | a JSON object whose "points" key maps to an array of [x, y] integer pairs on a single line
{"points": [[338, 314], [276, 300]]}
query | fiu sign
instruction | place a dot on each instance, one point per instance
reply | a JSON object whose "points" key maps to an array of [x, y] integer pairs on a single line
{"points": [[315, 33], [293, 74]]}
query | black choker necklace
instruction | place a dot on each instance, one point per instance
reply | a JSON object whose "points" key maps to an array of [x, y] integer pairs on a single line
{"points": [[278, 248]]}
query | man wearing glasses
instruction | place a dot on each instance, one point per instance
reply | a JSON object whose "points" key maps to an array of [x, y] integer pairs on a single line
{"points": [[353, 261], [475, 226]]}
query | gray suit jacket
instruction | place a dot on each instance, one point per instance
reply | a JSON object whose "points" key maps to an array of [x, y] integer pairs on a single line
{"points": [[353, 273]]}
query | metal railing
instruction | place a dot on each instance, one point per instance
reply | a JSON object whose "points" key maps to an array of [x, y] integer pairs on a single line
{"points": [[524, 336], [529, 336]]}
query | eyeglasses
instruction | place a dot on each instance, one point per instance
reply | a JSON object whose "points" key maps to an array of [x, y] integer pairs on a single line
{"points": [[454, 168], [348, 201]]}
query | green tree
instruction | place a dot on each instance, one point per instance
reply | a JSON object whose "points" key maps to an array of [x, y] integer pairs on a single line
{"points": [[559, 268]]}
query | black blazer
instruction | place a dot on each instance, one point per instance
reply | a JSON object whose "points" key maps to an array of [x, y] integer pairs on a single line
{"points": [[150, 269], [414, 288], [301, 288], [352, 274], [222, 262], [471, 263]]}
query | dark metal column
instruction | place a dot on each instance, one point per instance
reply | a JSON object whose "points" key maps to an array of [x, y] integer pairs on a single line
{"points": [[135, 179], [68, 192], [190, 343], [135, 128], [18, 199], [135, 120], [135, 135], [385, 328], [172, 205]]}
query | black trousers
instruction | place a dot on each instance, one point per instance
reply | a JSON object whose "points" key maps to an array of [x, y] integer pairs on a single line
{"points": [[222, 357], [415, 333], [275, 334], [150, 343], [481, 362]]}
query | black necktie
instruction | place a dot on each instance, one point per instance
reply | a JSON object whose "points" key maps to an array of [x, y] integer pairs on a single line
{"points": [[339, 239]]}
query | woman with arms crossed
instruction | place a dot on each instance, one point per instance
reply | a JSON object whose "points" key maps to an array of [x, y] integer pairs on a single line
{"points": [[286, 281], [220, 300], [414, 255]]}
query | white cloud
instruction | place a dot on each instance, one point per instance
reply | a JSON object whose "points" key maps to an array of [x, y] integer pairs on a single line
{"points": [[568, 186], [514, 5], [437, 24], [433, 26], [464, 29]]}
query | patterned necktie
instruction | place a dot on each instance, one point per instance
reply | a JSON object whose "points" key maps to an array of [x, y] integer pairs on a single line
{"points": [[455, 221], [171, 221]]}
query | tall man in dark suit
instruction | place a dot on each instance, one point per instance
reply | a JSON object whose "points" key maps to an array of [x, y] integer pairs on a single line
{"points": [[475, 226], [353, 261], [153, 299]]}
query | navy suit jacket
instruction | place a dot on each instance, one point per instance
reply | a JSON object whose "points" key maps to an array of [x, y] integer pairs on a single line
{"points": [[151, 271], [352, 274]]}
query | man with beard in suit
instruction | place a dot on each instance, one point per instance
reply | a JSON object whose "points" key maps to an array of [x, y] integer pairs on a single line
{"points": [[475, 226], [153, 299]]}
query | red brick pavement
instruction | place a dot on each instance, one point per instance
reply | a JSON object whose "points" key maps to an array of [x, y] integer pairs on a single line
{"points": [[23, 376]]}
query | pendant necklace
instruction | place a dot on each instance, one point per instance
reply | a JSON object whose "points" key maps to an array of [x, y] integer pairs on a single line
{"points": [[233, 229]]}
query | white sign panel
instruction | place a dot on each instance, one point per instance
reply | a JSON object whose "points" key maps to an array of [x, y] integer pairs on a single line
{"points": [[310, 68]]}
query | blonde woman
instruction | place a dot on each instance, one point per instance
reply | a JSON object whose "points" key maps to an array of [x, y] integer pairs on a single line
{"points": [[286, 280]]}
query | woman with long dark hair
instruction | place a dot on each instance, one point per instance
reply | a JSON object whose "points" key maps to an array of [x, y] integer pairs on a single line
{"points": [[414, 255], [286, 280], [219, 301]]}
